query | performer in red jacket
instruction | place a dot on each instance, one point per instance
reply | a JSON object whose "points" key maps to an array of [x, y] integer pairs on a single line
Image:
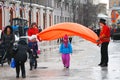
{"points": [[104, 39]]}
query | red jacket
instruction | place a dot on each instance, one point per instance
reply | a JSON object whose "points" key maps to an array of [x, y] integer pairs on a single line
{"points": [[33, 31], [105, 34]]}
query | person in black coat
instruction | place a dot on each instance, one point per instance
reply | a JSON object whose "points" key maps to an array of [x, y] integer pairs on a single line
{"points": [[21, 57], [8, 39]]}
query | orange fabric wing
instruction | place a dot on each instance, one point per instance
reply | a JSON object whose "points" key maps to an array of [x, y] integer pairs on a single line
{"points": [[71, 29]]}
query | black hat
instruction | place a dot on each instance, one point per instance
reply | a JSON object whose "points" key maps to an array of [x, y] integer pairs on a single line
{"points": [[22, 41], [102, 21]]}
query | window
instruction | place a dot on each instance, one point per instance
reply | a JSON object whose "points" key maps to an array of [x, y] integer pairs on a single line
{"points": [[58, 19], [58, 5], [61, 20], [54, 19], [65, 19]]}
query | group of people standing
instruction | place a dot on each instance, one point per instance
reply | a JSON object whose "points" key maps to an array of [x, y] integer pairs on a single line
{"points": [[65, 49], [20, 55]]}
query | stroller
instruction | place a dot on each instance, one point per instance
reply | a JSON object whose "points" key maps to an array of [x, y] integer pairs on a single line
{"points": [[2, 54]]}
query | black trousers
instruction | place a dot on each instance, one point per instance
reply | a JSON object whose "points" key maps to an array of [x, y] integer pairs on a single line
{"points": [[9, 53], [70, 39], [20, 66], [33, 62], [104, 53]]}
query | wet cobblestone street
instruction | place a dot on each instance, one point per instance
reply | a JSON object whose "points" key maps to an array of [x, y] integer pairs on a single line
{"points": [[84, 63]]}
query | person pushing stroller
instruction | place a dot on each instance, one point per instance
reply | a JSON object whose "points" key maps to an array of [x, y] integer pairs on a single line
{"points": [[8, 39]]}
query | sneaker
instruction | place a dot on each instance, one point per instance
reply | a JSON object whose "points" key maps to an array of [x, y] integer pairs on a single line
{"points": [[24, 76], [67, 67], [104, 65], [30, 69], [99, 64], [17, 76], [37, 56], [35, 67]]}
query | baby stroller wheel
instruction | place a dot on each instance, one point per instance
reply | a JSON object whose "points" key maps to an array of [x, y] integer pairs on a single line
{"points": [[2, 63], [8, 62]]}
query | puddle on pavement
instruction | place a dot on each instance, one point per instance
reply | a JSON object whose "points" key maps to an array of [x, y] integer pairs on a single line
{"points": [[42, 67], [78, 50], [34, 76]]}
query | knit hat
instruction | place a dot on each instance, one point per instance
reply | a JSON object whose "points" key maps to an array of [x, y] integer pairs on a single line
{"points": [[102, 21], [65, 37]]}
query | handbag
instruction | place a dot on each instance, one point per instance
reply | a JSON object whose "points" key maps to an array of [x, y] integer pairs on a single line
{"points": [[38, 51], [12, 64]]}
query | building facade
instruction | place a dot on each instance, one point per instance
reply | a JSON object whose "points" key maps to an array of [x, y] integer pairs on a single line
{"points": [[61, 11], [44, 12], [42, 15]]}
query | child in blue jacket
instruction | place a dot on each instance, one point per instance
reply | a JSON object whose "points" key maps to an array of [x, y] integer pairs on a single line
{"points": [[34, 48], [65, 50]]}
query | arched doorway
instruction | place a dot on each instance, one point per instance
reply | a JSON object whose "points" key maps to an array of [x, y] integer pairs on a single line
{"points": [[21, 13], [44, 20], [0, 18], [50, 19], [29, 19], [37, 13], [11, 15]]}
